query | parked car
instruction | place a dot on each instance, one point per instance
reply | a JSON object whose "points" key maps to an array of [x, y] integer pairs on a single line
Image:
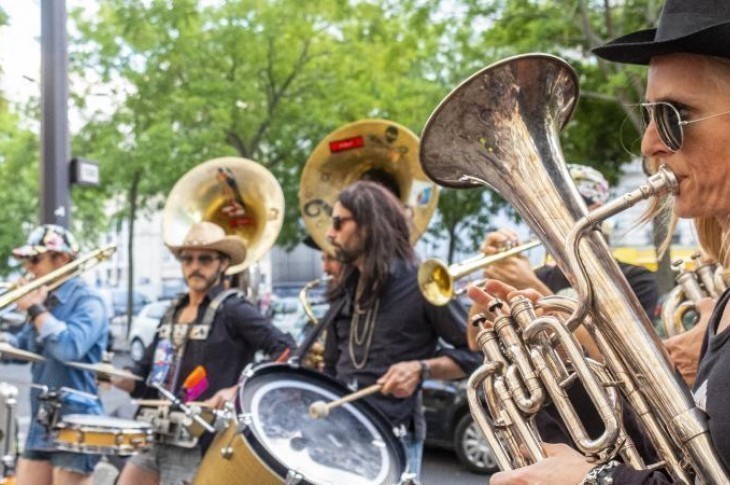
{"points": [[115, 300], [449, 423], [144, 325]]}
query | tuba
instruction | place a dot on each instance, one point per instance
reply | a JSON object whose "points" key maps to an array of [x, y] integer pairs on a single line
{"points": [[706, 280], [499, 129], [238, 194], [378, 150]]}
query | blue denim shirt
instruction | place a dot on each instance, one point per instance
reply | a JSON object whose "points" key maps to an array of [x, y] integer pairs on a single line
{"points": [[77, 331]]}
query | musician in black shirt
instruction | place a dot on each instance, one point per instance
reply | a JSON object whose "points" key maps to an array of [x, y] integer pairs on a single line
{"points": [[210, 333], [382, 328]]}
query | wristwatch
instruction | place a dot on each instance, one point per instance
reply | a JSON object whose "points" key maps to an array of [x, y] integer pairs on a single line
{"points": [[425, 370], [34, 310], [601, 475]]}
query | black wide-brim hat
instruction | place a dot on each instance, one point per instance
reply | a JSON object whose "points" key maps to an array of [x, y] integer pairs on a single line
{"points": [[686, 26]]}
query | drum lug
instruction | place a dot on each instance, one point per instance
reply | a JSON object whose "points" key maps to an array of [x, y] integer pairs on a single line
{"points": [[293, 478], [244, 421]]}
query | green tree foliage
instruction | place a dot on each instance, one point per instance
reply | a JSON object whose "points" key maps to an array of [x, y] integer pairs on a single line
{"points": [[267, 80], [262, 80]]}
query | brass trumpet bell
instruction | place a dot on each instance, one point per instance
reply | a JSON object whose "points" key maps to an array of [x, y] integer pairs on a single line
{"points": [[437, 280], [240, 195], [375, 149]]}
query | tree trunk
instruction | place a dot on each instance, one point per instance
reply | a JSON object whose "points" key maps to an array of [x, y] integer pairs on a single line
{"points": [[452, 244], [133, 190]]}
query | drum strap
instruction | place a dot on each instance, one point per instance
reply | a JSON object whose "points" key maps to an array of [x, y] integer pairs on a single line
{"points": [[316, 331]]}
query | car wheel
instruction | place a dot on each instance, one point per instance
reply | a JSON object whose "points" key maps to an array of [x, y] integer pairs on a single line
{"points": [[136, 350], [471, 447]]}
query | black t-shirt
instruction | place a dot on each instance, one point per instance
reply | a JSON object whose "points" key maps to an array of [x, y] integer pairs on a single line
{"points": [[640, 279], [237, 332], [406, 327]]}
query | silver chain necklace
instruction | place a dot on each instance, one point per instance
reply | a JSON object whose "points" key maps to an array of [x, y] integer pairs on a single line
{"points": [[364, 335]]}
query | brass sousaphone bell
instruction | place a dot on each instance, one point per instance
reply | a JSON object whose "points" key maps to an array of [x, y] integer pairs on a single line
{"points": [[238, 194], [373, 149]]}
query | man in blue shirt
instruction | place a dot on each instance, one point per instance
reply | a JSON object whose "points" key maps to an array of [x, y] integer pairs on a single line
{"points": [[64, 325]]}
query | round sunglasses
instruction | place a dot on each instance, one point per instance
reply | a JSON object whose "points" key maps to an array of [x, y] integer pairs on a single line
{"points": [[669, 123]]}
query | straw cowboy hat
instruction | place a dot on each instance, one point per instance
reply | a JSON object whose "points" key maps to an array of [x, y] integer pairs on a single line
{"points": [[206, 235], [687, 26]]}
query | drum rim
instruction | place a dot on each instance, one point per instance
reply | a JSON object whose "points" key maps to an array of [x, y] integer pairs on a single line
{"points": [[377, 418]]}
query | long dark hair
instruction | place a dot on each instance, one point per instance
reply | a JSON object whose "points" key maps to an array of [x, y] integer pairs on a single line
{"points": [[384, 229]]}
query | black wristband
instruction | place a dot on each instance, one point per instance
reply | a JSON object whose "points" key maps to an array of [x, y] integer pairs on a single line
{"points": [[35, 310], [425, 371]]}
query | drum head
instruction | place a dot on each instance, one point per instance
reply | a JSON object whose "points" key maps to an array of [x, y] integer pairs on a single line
{"points": [[353, 444], [96, 421]]}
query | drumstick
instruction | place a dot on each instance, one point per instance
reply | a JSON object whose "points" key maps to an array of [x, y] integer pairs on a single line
{"points": [[320, 409]]}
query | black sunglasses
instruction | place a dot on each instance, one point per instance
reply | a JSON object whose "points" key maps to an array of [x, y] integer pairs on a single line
{"points": [[203, 259], [35, 259], [338, 221], [669, 123]]}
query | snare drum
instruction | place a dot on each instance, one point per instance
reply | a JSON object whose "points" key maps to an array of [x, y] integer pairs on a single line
{"points": [[276, 441], [101, 435]]}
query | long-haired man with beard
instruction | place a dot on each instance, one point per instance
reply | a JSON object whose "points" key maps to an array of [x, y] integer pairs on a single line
{"points": [[382, 329]]}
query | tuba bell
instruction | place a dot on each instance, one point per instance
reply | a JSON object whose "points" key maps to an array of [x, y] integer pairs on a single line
{"points": [[499, 129], [239, 195], [378, 150]]}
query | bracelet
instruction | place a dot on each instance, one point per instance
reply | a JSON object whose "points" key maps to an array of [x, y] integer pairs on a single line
{"points": [[34, 310], [425, 371], [601, 475]]}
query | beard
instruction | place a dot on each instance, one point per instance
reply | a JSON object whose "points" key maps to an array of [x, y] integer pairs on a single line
{"points": [[347, 255]]}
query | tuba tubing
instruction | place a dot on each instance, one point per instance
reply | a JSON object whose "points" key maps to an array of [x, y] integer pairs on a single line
{"points": [[500, 129]]}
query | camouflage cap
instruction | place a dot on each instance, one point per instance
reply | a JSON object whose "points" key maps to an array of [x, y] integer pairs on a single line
{"points": [[48, 237], [591, 184]]}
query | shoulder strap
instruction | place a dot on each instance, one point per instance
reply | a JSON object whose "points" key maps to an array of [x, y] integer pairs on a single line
{"points": [[217, 303], [170, 312]]}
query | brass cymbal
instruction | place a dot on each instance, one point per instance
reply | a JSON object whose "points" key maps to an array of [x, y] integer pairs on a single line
{"points": [[104, 368], [7, 350]]}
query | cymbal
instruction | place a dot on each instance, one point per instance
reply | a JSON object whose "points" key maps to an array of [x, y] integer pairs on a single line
{"points": [[104, 368], [7, 350]]}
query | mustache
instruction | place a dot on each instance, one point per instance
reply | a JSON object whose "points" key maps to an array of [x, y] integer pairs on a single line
{"points": [[191, 275]]}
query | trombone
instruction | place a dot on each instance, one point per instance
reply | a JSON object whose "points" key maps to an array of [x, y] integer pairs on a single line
{"points": [[436, 279], [57, 277]]}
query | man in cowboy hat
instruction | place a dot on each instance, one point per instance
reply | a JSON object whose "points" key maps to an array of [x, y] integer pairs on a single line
{"points": [[207, 335], [67, 324]]}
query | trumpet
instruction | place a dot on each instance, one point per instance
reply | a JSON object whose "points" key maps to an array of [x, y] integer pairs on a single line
{"points": [[56, 278], [436, 279], [706, 280], [304, 296], [500, 129]]}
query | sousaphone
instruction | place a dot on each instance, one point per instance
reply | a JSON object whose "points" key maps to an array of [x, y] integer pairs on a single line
{"points": [[378, 150], [238, 194]]}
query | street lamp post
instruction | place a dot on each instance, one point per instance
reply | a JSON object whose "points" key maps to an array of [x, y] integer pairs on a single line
{"points": [[55, 201]]}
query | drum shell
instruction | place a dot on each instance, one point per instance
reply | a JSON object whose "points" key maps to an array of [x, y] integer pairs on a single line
{"points": [[96, 435], [240, 450]]}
